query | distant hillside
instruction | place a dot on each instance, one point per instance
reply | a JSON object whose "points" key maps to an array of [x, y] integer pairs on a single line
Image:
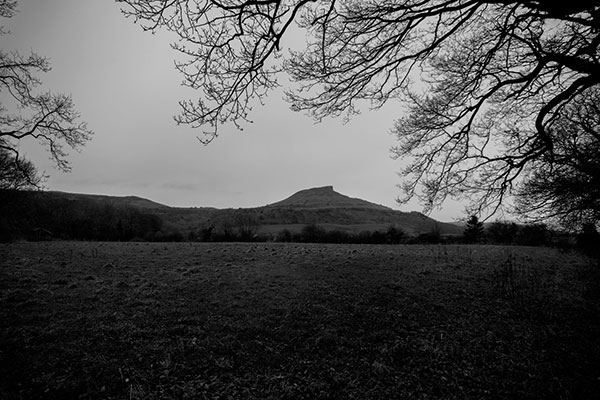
{"points": [[71, 215], [322, 206], [38, 215], [325, 206], [121, 201]]}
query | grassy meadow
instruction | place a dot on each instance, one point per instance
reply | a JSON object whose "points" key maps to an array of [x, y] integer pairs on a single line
{"points": [[83, 320]]}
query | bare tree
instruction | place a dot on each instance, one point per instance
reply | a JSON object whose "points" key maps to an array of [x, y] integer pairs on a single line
{"points": [[482, 83], [48, 117], [247, 224], [565, 184]]}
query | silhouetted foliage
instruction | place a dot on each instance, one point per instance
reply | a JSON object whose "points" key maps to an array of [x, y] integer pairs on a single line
{"points": [[498, 79], [565, 184], [26, 215], [336, 236], [501, 232], [312, 233], [588, 240], [507, 233], [284, 236], [49, 118], [225, 232], [394, 235], [434, 236], [17, 172], [473, 232], [206, 234], [533, 235]]}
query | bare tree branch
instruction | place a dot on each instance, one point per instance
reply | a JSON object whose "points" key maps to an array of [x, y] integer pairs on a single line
{"points": [[483, 84], [49, 118]]}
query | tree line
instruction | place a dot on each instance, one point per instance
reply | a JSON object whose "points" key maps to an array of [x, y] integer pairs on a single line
{"points": [[36, 216], [496, 233], [586, 240]]}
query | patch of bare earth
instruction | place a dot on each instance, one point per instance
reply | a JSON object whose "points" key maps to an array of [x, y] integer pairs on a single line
{"points": [[294, 321]]}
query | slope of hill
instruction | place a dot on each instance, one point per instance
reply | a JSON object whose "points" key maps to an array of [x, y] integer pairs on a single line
{"points": [[121, 201], [39, 215], [322, 206]]}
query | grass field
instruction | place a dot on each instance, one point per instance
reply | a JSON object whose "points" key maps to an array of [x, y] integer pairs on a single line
{"points": [[296, 321]]}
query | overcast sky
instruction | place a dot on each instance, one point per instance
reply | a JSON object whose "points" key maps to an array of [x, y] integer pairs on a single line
{"points": [[125, 86]]}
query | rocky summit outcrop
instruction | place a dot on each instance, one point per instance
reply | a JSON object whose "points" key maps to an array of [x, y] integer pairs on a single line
{"points": [[324, 197]]}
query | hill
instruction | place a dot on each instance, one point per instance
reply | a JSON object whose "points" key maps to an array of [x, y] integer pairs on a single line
{"points": [[38, 215], [322, 206], [101, 217], [324, 197], [333, 210]]}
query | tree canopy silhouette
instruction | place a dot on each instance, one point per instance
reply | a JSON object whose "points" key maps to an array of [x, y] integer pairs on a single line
{"points": [[17, 172], [485, 85], [473, 232], [566, 183], [49, 118]]}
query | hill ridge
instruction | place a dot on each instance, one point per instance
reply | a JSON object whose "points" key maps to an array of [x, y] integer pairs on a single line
{"points": [[128, 200]]}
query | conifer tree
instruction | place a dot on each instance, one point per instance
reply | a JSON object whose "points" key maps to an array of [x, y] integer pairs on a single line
{"points": [[474, 231]]}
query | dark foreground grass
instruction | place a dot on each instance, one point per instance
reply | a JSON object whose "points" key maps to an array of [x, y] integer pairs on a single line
{"points": [[291, 321]]}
